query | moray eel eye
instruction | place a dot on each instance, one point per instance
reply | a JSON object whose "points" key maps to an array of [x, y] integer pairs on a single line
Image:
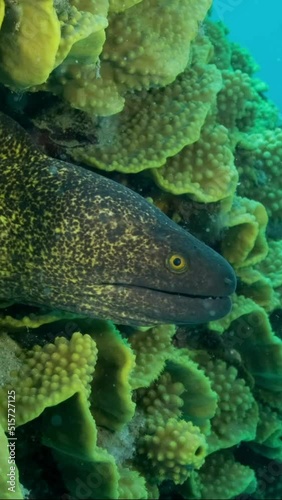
{"points": [[177, 263]]}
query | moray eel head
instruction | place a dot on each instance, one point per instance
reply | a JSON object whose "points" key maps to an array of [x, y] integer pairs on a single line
{"points": [[165, 275], [74, 240]]}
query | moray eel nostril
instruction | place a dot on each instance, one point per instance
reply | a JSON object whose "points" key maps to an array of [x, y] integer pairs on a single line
{"points": [[74, 240]]}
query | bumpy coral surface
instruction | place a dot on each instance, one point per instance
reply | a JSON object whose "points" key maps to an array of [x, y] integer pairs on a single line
{"points": [[28, 29], [259, 158], [153, 88], [171, 448]]}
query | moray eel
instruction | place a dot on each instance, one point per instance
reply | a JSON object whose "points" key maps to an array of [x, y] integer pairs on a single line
{"points": [[74, 240]]}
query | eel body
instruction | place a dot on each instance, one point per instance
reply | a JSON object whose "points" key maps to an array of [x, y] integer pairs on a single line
{"points": [[74, 240]]}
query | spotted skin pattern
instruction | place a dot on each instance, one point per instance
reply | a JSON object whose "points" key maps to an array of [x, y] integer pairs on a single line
{"points": [[74, 240]]}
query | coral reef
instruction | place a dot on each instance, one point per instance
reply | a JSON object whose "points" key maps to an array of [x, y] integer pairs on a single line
{"points": [[154, 95]]}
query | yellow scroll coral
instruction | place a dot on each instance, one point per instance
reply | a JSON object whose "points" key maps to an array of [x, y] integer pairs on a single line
{"points": [[258, 287], [217, 34], [222, 478], [131, 485], [268, 440], [2, 11], [244, 242], [242, 60], [205, 170], [111, 392], [271, 269], [82, 24], [171, 449], [258, 158], [53, 381], [154, 124], [163, 397], [233, 99], [89, 88], [9, 475], [199, 399], [271, 266], [250, 333], [51, 374], [183, 390], [121, 5], [29, 41], [236, 415], [152, 349], [77, 76], [149, 43]]}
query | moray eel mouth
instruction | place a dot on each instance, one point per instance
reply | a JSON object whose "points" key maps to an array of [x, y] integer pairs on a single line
{"points": [[147, 305], [190, 308]]}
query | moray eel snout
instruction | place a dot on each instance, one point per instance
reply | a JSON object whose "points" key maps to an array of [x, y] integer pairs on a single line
{"points": [[74, 240], [177, 279]]}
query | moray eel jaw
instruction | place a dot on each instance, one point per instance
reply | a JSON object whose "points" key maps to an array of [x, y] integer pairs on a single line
{"points": [[131, 305], [150, 307]]}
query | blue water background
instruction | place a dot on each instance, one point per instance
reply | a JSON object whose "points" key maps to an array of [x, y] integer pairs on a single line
{"points": [[257, 25]]}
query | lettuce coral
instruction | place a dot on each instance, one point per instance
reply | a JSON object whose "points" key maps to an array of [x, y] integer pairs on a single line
{"points": [[9, 475], [258, 160], [205, 169], [154, 124], [170, 449], [244, 242], [90, 68], [153, 88], [29, 28], [222, 477], [236, 415], [2, 11], [51, 374]]}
